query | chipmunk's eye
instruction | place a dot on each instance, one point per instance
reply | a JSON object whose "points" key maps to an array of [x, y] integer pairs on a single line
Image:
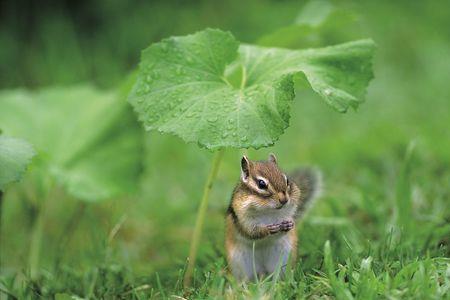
{"points": [[262, 184]]}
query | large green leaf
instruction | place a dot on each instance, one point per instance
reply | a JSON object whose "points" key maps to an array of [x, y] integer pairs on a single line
{"points": [[15, 155], [208, 89], [86, 138]]}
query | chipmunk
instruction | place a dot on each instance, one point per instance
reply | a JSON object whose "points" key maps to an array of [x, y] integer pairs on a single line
{"points": [[263, 209]]}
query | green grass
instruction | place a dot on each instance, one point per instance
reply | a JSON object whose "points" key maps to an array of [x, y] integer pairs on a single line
{"points": [[381, 230], [385, 213]]}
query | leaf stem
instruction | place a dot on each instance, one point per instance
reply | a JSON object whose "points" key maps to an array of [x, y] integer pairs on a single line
{"points": [[201, 217], [35, 244], [43, 191], [68, 232]]}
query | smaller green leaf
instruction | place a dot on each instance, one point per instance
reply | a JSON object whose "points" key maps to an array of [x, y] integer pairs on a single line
{"points": [[88, 139], [15, 156]]}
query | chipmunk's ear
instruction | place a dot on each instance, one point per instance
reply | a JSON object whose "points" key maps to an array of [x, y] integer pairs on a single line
{"points": [[245, 168], [272, 158]]}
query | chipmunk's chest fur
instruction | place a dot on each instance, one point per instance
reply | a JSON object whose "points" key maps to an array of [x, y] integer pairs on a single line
{"points": [[262, 255], [252, 216], [270, 217]]}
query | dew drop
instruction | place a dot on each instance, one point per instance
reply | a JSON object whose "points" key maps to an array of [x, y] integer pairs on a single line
{"points": [[224, 135], [244, 138], [328, 92], [212, 119]]}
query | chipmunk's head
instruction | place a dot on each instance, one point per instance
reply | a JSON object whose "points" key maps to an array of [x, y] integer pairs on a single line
{"points": [[268, 185]]}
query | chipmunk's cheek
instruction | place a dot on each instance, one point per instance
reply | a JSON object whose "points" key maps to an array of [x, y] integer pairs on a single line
{"points": [[277, 205], [270, 204], [256, 204], [250, 203]]}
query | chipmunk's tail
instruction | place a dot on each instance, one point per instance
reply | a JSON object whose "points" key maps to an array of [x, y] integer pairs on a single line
{"points": [[309, 181]]}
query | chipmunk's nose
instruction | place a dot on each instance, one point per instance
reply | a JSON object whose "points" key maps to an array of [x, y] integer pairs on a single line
{"points": [[283, 198]]}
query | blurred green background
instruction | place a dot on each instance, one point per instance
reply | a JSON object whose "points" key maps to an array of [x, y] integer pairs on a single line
{"points": [[362, 154]]}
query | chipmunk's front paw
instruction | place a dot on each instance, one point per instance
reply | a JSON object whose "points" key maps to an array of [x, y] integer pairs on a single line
{"points": [[286, 225], [274, 228]]}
